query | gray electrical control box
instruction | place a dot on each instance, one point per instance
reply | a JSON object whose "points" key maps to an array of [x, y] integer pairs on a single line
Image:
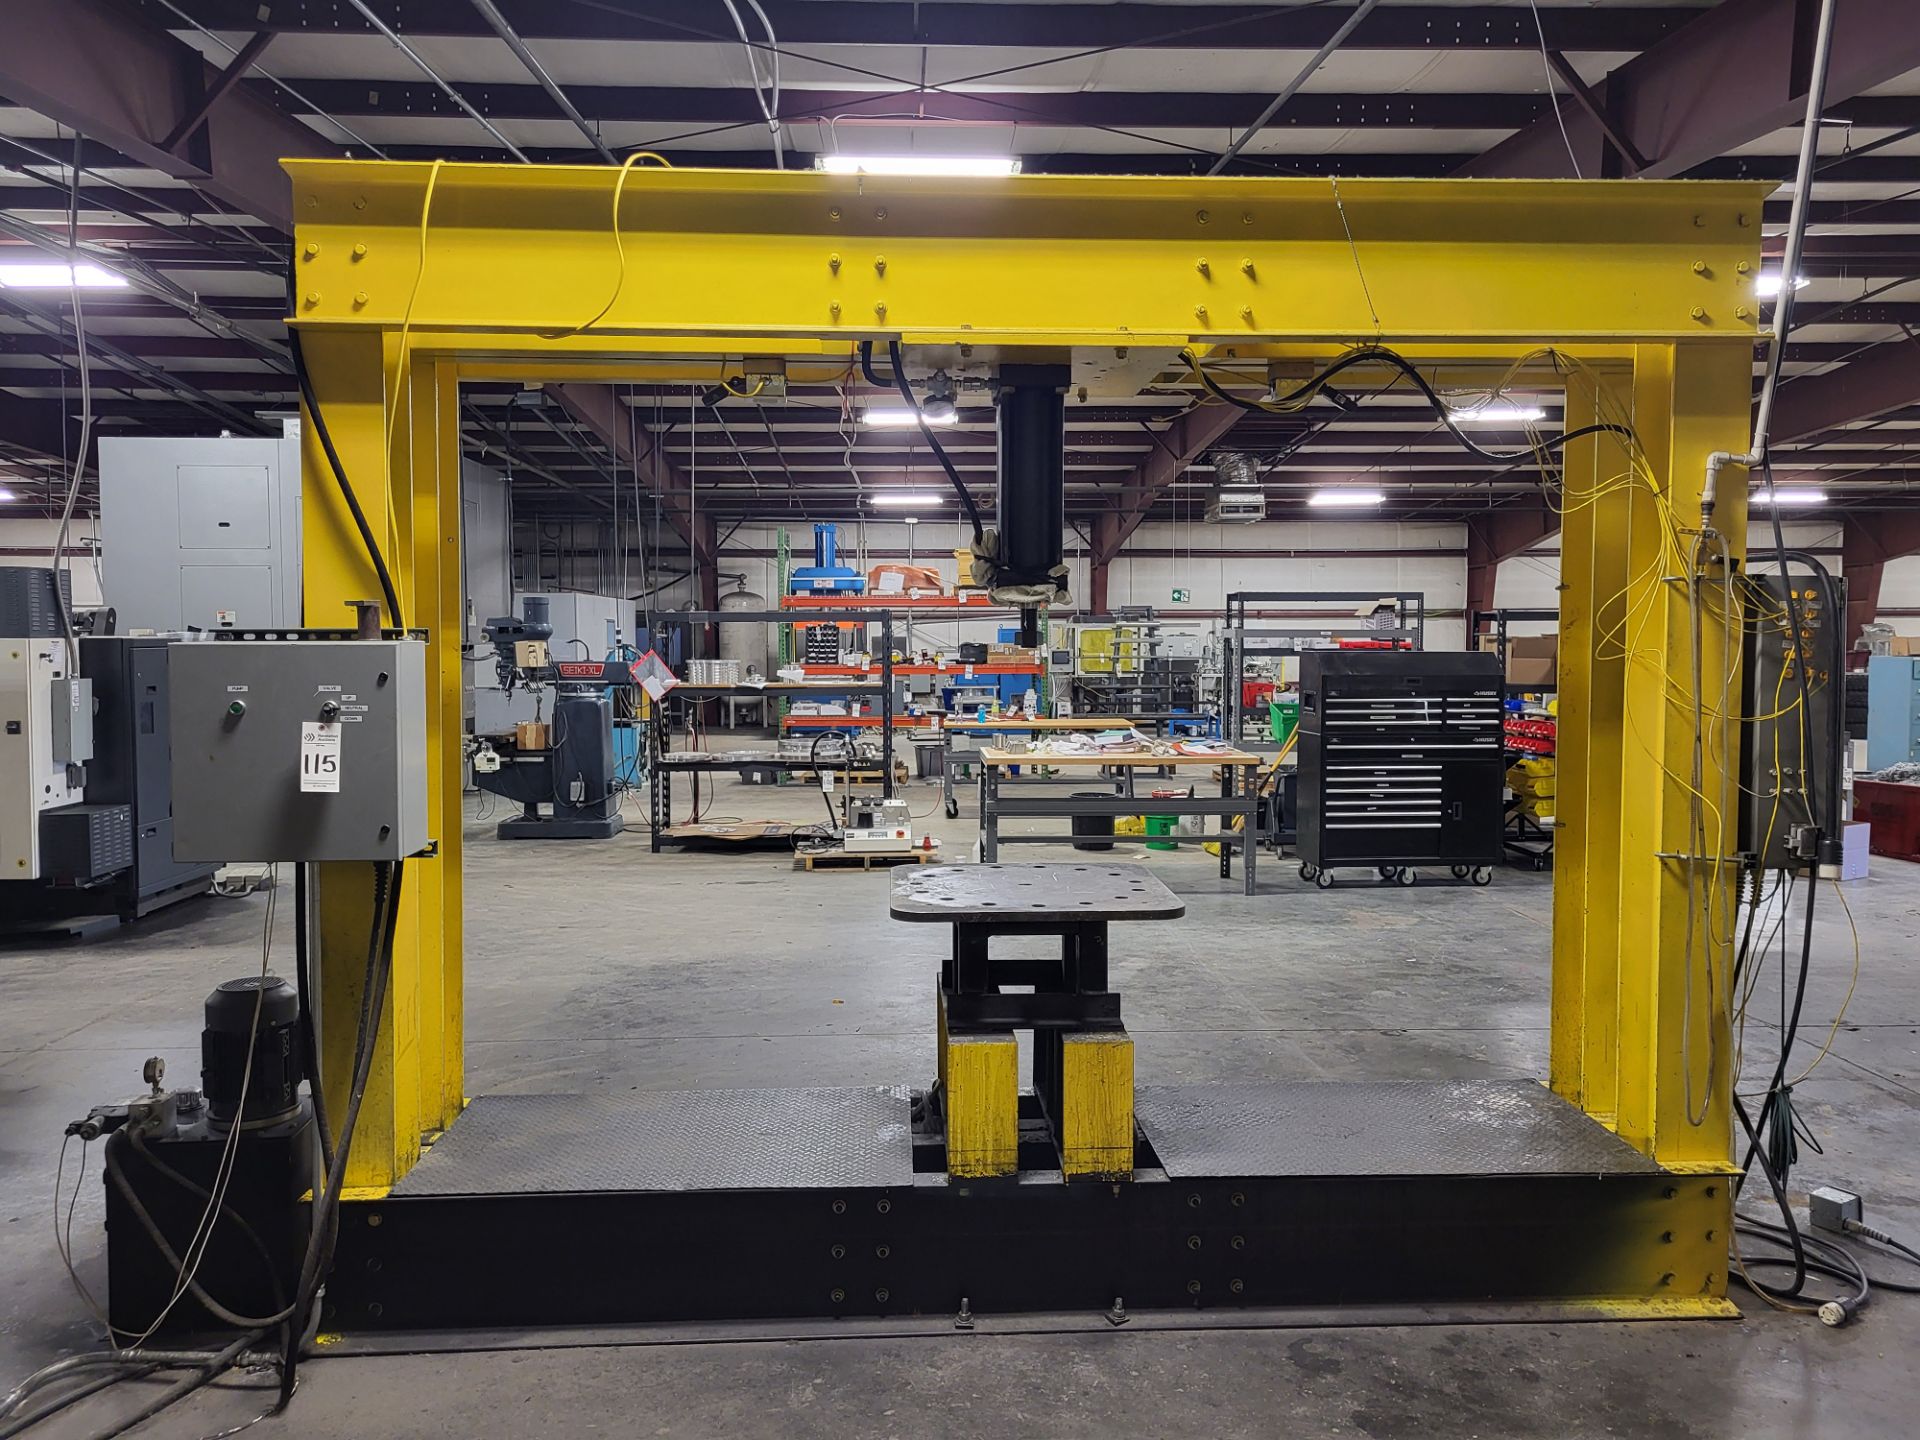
{"points": [[71, 702], [299, 749]]}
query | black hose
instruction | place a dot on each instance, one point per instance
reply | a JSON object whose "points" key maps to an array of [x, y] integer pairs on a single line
{"points": [[320, 430], [216, 1366], [926, 430], [319, 1256], [1380, 354], [309, 1033]]}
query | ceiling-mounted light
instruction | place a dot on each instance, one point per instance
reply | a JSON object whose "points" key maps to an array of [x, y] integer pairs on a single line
{"points": [[1766, 284], [6, 495], [898, 417], [57, 275], [1499, 413], [1343, 497], [919, 164], [917, 498], [1788, 495]]}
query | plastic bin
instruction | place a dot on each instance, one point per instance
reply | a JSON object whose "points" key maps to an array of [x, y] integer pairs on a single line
{"points": [[1285, 718], [1099, 828]]}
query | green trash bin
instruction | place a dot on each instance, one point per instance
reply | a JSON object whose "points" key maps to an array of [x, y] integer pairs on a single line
{"points": [[1161, 825], [1285, 718]]}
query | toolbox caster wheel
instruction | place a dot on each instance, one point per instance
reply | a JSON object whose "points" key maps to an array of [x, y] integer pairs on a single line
{"points": [[1323, 879], [1386, 872], [1404, 875], [1461, 872], [1483, 875], [1307, 872], [953, 809]]}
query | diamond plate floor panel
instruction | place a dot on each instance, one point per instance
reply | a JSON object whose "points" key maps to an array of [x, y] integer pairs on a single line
{"points": [[1411, 1127], [672, 1140]]}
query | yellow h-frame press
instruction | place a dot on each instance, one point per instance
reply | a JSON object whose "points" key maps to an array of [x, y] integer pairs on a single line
{"points": [[1637, 297]]}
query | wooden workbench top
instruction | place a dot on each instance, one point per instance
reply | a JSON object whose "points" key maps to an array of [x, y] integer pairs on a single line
{"points": [[1127, 759], [1071, 722]]}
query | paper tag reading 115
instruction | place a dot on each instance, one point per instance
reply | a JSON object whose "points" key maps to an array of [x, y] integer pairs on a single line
{"points": [[320, 757]]}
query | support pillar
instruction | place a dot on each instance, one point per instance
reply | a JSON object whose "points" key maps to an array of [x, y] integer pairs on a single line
{"points": [[396, 429]]}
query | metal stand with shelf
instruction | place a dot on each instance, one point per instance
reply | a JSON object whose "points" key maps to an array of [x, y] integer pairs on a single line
{"points": [[1242, 641], [663, 766]]}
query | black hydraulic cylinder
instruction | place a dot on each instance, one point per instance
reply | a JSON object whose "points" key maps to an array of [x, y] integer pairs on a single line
{"points": [[1032, 491]]}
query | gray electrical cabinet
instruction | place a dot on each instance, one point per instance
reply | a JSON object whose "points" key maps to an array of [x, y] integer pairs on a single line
{"points": [[1790, 763], [201, 533], [299, 749], [1893, 710]]}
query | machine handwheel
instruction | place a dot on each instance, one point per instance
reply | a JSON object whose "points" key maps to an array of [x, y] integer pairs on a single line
{"points": [[953, 809], [1483, 875], [1460, 872], [1323, 879], [1404, 875], [1307, 872]]}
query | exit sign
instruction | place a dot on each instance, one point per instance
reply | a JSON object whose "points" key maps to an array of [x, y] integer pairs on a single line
{"points": [[1180, 597]]}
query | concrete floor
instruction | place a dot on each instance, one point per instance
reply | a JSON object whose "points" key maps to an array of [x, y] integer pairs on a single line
{"points": [[598, 967]]}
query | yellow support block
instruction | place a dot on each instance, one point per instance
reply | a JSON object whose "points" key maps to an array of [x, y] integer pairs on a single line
{"points": [[1096, 1104], [980, 1089]]}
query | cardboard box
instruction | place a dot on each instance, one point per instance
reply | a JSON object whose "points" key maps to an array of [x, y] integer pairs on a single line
{"points": [[1903, 645], [1533, 660]]}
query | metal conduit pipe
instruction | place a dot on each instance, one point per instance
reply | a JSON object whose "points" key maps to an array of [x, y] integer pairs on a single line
{"points": [[1756, 453]]}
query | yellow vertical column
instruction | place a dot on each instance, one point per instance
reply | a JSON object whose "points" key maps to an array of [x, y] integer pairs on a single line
{"points": [[1594, 584], [1675, 912], [418, 1038]]}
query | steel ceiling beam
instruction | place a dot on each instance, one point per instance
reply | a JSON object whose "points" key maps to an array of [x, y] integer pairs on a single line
{"points": [[1727, 78], [102, 70], [1884, 380], [718, 105], [1001, 24]]}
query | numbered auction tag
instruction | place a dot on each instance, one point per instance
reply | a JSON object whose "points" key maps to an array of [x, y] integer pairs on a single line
{"points": [[319, 757]]}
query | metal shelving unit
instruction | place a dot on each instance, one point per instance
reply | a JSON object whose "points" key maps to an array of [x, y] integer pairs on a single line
{"points": [[662, 766], [1243, 640]]}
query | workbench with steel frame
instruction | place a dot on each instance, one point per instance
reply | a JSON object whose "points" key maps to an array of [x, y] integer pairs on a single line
{"points": [[1239, 795], [952, 758], [414, 278]]}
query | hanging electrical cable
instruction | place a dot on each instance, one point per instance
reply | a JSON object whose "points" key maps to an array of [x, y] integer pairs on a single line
{"points": [[899, 382]]}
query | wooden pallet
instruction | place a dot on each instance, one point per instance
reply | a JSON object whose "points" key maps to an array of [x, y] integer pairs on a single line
{"points": [[841, 860]]}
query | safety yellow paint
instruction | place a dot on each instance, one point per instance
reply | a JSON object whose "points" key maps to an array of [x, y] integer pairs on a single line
{"points": [[981, 1091], [1096, 1104], [1643, 280], [1020, 260]]}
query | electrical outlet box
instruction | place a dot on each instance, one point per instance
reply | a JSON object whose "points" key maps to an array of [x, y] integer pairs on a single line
{"points": [[1830, 1209], [71, 706], [299, 749]]}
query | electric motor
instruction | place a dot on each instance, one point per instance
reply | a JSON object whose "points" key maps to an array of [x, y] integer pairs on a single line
{"points": [[272, 1089]]}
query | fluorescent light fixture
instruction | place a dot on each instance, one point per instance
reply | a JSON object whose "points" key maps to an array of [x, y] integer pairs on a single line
{"points": [[908, 497], [919, 164], [56, 275], [1767, 284], [1786, 495], [1344, 497], [898, 417], [909, 519], [6, 495], [1499, 413]]}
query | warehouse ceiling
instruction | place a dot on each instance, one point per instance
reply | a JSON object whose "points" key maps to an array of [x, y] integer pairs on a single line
{"points": [[167, 105]]}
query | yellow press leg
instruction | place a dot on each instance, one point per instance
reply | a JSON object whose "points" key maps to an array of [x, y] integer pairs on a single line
{"points": [[400, 465], [1594, 577], [1642, 922], [1095, 1120]]}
